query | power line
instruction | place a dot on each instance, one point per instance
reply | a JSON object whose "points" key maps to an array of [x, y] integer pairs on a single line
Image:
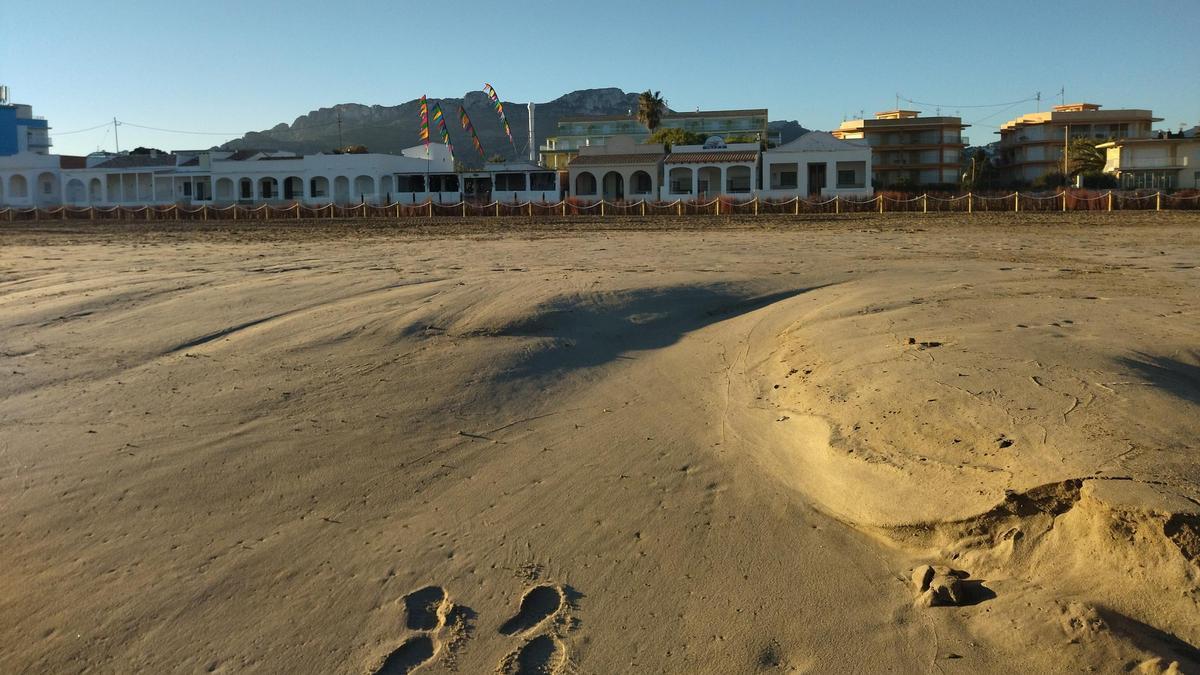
{"points": [[180, 131], [80, 131], [950, 105]]}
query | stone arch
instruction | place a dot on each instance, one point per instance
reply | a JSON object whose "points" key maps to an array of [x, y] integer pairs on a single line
{"points": [[341, 189], [18, 186], [614, 186], [318, 187], [640, 183], [95, 191], [75, 193], [680, 180], [268, 188], [364, 186], [224, 190], [48, 188], [585, 184], [738, 180], [293, 187]]}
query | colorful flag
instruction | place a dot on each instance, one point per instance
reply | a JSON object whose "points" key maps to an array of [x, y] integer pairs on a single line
{"points": [[499, 107], [424, 120], [470, 128], [440, 121]]}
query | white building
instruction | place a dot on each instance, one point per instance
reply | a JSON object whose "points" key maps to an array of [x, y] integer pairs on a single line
{"points": [[222, 178], [1154, 163], [511, 182], [709, 170], [817, 164], [618, 170]]}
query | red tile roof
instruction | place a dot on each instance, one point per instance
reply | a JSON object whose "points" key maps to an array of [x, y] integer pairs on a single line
{"points": [[610, 160], [715, 157], [72, 162]]}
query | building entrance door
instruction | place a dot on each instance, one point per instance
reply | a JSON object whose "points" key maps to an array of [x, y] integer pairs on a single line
{"points": [[816, 178]]}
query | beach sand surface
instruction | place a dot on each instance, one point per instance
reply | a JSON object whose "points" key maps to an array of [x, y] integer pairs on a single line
{"points": [[704, 448]]}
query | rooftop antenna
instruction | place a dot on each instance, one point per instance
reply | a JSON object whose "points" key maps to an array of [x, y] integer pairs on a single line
{"points": [[1062, 95], [897, 100], [117, 135], [1039, 101], [339, 123]]}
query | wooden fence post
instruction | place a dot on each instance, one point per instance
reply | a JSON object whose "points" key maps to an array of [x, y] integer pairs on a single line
{"points": [[643, 207], [970, 202], [1110, 200], [1064, 196], [925, 203], [601, 207], [796, 207], [1158, 201], [1016, 202], [880, 198], [756, 206], [837, 204]]}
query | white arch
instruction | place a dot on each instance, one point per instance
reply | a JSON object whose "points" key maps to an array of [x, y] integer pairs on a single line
{"points": [[738, 180], [48, 189], [95, 191], [364, 186], [75, 192], [18, 186], [679, 180], [223, 190], [293, 188], [341, 189], [318, 188], [640, 183], [585, 184]]}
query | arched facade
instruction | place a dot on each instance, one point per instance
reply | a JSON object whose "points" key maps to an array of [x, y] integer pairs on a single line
{"points": [[318, 188], [48, 190], [95, 191], [585, 184], [75, 193], [293, 188], [738, 180], [680, 180], [641, 184], [386, 188], [268, 188], [614, 186], [341, 189], [708, 180], [224, 190], [364, 187]]}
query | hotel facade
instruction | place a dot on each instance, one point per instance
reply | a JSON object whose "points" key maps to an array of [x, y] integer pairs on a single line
{"points": [[1032, 146], [908, 150]]}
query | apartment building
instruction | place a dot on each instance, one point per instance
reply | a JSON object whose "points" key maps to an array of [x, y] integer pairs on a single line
{"points": [[908, 149], [1159, 163], [20, 131], [1033, 145], [577, 132]]}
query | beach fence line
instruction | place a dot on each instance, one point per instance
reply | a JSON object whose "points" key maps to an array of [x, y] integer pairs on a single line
{"points": [[881, 203]]}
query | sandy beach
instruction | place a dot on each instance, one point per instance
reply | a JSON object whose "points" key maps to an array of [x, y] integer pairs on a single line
{"points": [[694, 446]]}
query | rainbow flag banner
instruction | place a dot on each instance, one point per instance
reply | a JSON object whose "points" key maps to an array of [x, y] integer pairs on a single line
{"points": [[440, 121], [499, 108], [470, 128], [424, 120]]}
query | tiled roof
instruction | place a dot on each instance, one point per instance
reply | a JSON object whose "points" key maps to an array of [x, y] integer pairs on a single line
{"points": [[715, 157], [72, 162], [610, 160], [137, 161]]}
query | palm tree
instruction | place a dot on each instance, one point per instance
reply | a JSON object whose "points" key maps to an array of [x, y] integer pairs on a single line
{"points": [[650, 109], [1085, 157]]}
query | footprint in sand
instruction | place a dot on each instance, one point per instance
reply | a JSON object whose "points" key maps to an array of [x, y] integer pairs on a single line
{"points": [[542, 654], [414, 653], [537, 604], [442, 627], [423, 606]]}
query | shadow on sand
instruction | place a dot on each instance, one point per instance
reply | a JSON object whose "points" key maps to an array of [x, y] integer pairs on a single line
{"points": [[585, 332], [1177, 377]]}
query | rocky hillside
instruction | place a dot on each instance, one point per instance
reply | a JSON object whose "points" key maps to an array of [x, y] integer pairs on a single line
{"points": [[393, 128]]}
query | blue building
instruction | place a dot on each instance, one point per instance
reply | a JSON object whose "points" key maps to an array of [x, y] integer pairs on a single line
{"points": [[20, 131]]}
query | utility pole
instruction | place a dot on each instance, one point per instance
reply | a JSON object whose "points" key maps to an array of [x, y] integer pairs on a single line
{"points": [[117, 135], [339, 122]]}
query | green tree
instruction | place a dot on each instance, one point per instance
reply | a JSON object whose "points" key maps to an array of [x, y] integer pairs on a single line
{"points": [[1084, 157], [650, 109], [670, 136]]}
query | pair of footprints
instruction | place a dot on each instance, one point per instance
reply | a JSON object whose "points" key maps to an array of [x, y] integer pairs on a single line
{"points": [[443, 625]]}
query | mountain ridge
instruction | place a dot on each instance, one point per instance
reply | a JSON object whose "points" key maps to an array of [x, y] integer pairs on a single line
{"points": [[390, 129]]}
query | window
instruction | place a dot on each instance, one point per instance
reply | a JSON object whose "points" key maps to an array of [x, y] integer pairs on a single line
{"points": [[246, 190], [47, 188], [846, 178], [412, 183], [788, 179], [513, 182], [541, 181], [443, 183], [187, 189]]}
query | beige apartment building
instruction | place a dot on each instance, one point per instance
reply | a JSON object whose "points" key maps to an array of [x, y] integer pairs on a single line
{"points": [[1032, 145], [1154, 163], [909, 150]]}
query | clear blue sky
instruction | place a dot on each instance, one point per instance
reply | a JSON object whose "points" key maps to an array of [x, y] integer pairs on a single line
{"points": [[233, 66]]}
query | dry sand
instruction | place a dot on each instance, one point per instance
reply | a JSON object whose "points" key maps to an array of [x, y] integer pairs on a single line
{"points": [[494, 447]]}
